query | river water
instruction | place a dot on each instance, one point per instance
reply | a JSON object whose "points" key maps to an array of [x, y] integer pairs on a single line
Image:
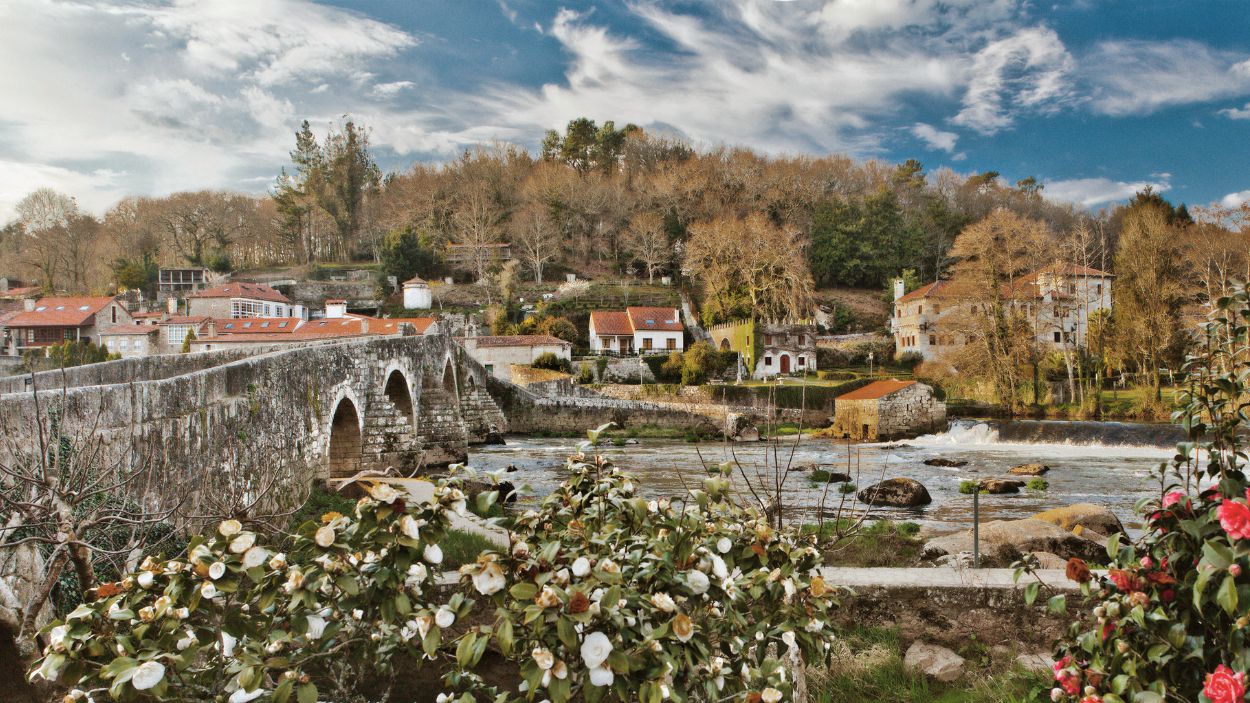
{"points": [[1111, 464]]}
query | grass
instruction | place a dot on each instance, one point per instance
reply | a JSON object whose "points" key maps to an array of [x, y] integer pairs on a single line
{"points": [[870, 669], [877, 543], [460, 548]]}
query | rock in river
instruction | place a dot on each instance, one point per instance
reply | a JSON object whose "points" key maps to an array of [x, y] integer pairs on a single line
{"points": [[1000, 485], [1087, 515], [1029, 470], [1005, 541], [939, 461], [897, 492]]}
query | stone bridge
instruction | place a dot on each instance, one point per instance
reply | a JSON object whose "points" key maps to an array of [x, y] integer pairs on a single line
{"points": [[316, 412]]}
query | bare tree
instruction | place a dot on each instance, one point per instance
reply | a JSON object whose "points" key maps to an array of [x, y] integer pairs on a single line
{"points": [[535, 235], [476, 224], [646, 240]]}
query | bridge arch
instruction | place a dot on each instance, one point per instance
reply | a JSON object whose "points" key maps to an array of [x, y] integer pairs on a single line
{"points": [[346, 435], [398, 390]]}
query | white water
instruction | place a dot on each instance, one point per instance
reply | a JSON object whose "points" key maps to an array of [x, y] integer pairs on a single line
{"points": [[972, 436]]}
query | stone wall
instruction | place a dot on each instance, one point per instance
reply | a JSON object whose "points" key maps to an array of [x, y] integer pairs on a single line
{"points": [[272, 414], [908, 412], [123, 371]]}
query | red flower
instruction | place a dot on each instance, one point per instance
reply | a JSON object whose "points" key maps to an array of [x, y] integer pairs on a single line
{"points": [[1168, 595], [1067, 679], [1108, 629], [1161, 578], [1173, 498], [1078, 570], [1124, 580], [1224, 686], [1235, 519]]}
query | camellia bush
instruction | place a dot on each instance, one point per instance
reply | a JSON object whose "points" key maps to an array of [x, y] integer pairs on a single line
{"points": [[602, 596], [1174, 614], [608, 596]]}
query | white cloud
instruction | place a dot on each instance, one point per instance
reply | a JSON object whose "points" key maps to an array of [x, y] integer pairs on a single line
{"points": [[1028, 70], [934, 137], [1090, 192], [1236, 199], [1237, 113], [1138, 77], [390, 90]]}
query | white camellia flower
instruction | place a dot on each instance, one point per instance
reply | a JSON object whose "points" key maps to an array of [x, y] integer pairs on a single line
{"points": [[719, 569], [228, 642], [424, 623], [770, 695], [444, 617], [433, 553], [547, 598], [581, 567], [186, 641], [653, 507], [145, 579], [409, 526], [208, 590], [601, 676], [254, 557], [278, 562], [56, 638], [243, 542], [489, 580], [595, 649], [147, 675], [560, 670], [216, 570], [698, 582], [543, 657], [316, 627], [664, 602], [724, 544], [383, 492], [788, 638], [229, 528], [324, 536], [241, 696]]}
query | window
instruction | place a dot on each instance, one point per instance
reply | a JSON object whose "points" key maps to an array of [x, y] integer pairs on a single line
{"points": [[936, 308], [246, 308], [768, 340], [933, 340], [109, 344], [768, 361], [176, 333], [113, 310], [124, 344], [605, 342], [646, 342], [1098, 289], [671, 343], [490, 368], [1056, 338], [802, 361], [919, 309]]}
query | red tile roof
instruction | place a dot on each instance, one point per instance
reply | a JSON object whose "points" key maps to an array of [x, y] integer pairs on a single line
{"points": [[129, 330], [390, 325], [658, 319], [935, 290], [256, 325], [520, 340], [61, 312], [186, 320], [875, 390], [611, 323], [254, 291], [415, 280]]}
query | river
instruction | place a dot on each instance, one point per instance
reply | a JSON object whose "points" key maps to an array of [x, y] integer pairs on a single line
{"points": [[1108, 463]]}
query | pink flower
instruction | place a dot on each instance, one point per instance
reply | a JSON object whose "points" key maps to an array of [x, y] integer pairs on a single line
{"points": [[1235, 519], [1224, 686], [1173, 498], [1067, 679]]}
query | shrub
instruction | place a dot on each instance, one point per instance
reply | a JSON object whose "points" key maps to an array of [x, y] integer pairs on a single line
{"points": [[601, 367], [910, 360], [584, 375], [968, 487], [551, 362], [1038, 483], [1174, 607], [617, 597], [671, 369]]}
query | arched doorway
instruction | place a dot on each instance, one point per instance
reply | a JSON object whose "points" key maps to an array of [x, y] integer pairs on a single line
{"points": [[724, 344], [345, 444], [449, 380], [785, 363], [397, 392]]}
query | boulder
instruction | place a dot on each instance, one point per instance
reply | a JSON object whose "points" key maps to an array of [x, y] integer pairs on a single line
{"points": [[493, 437], [1029, 470], [739, 428], [1087, 515], [897, 492], [1005, 541], [1036, 662], [939, 461], [803, 468], [999, 486], [1046, 560], [821, 475], [631, 441], [935, 662]]}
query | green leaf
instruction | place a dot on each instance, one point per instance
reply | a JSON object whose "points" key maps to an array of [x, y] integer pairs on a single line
{"points": [[1030, 593], [307, 693], [1147, 697], [464, 651], [283, 692], [1057, 604], [432, 640], [524, 591], [503, 633], [1227, 595], [1113, 546], [567, 633], [1217, 555], [348, 585]]}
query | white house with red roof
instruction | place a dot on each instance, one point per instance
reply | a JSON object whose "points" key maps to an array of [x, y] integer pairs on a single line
{"points": [[498, 353], [239, 299], [1059, 301], [44, 322], [643, 330]]}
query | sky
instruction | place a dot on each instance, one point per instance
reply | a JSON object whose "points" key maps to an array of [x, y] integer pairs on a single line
{"points": [[103, 98]]}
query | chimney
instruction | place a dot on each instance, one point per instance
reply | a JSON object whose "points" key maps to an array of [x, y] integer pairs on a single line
{"points": [[29, 304], [899, 288], [336, 309]]}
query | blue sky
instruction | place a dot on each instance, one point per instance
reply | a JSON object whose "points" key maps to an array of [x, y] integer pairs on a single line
{"points": [[1097, 99]]}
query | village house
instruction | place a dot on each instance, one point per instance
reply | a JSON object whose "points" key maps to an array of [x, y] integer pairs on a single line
{"points": [[48, 321], [238, 300], [497, 354], [417, 294], [130, 341], [1059, 302], [768, 349], [337, 325], [181, 282], [888, 410], [637, 330]]}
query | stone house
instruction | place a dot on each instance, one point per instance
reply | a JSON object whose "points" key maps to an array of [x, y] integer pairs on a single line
{"points": [[48, 321], [888, 410], [642, 330], [131, 341], [497, 354], [181, 282], [768, 349], [1058, 301], [236, 300]]}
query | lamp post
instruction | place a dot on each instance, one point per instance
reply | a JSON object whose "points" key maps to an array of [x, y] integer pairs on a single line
{"points": [[870, 372]]}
